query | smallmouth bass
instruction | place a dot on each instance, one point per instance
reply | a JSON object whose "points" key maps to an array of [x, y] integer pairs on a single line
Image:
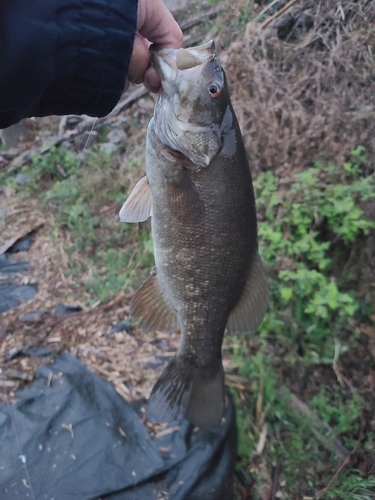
{"points": [[198, 191]]}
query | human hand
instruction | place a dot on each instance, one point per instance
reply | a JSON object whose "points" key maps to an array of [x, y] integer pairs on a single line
{"points": [[155, 24]]}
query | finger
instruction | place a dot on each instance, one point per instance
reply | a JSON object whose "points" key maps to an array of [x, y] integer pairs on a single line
{"points": [[140, 59], [157, 24], [152, 80]]}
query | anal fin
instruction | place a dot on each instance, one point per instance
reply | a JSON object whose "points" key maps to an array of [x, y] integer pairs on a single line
{"points": [[251, 308], [138, 207], [150, 304]]}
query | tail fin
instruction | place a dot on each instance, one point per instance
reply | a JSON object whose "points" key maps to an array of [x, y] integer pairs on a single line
{"points": [[184, 391]]}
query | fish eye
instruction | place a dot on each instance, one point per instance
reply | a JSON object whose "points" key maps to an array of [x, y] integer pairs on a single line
{"points": [[214, 89]]}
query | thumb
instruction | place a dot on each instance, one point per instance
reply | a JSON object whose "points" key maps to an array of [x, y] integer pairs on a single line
{"points": [[156, 24]]}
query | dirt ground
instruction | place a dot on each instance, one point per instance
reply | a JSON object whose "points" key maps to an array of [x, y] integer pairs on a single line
{"points": [[285, 124]]}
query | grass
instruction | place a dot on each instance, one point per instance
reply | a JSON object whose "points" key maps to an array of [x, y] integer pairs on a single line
{"points": [[82, 195], [310, 402], [309, 326], [304, 224], [297, 414]]}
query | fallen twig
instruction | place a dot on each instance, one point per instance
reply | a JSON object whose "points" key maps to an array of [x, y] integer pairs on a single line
{"points": [[262, 440], [335, 475], [266, 9], [211, 14], [86, 124]]}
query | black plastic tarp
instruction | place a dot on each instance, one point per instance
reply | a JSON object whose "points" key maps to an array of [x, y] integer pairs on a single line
{"points": [[11, 295], [81, 441]]}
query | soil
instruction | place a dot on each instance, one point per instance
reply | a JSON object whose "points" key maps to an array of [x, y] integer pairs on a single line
{"points": [[284, 128]]}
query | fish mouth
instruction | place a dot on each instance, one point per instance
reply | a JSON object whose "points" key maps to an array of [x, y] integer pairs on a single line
{"points": [[168, 62]]}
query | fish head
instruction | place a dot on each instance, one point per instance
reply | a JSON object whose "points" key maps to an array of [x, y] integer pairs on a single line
{"points": [[192, 102]]}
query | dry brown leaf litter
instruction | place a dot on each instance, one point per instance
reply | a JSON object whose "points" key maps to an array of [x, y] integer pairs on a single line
{"points": [[296, 98], [310, 94]]}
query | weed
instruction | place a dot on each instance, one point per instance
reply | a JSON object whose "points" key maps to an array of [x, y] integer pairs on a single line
{"points": [[121, 269], [55, 164], [82, 195], [342, 414], [243, 15], [322, 200], [310, 314], [353, 487]]}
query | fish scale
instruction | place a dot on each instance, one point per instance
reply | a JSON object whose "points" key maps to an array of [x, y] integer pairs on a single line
{"points": [[208, 275]]}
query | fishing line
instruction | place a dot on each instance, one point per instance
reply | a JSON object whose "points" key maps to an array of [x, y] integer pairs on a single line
{"points": [[87, 141], [22, 456], [88, 138]]}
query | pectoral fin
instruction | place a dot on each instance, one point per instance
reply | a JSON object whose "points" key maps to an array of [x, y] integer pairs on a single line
{"points": [[250, 310], [138, 206], [150, 304], [183, 196]]}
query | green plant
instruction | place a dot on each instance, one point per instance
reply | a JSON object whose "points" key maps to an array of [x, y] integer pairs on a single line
{"points": [[353, 487], [303, 223], [57, 163], [341, 413], [303, 438], [121, 269], [82, 197], [311, 311]]}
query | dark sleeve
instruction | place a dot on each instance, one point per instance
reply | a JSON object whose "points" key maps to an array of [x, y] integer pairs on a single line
{"points": [[63, 56]]}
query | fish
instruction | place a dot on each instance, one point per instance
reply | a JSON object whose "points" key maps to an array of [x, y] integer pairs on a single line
{"points": [[198, 191]]}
